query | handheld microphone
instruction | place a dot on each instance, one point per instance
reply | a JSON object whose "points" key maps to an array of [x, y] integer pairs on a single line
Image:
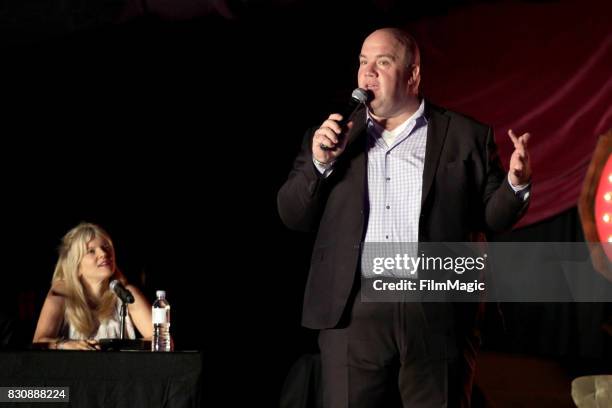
{"points": [[120, 290], [358, 97]]}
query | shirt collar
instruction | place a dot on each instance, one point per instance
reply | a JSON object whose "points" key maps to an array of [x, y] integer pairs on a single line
{"points": [[372, 125]]}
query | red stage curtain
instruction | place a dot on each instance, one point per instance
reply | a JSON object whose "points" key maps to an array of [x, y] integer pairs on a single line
{"points": [[545, 68]]}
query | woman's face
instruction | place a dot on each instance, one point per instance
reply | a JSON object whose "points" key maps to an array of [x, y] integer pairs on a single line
{"points": [[98, 263]]}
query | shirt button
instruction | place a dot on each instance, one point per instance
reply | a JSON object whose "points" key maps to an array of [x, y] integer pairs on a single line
{"points": [[386, 237], [388, 207], [388, 178]]}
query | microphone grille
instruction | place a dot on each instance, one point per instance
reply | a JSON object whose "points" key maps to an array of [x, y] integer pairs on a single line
{"points": [[361, 95], [113, 283]]}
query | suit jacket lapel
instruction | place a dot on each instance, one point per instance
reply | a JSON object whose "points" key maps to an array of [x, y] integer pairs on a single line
{"points": [[359, 125], [357, 149], [436, 134]]}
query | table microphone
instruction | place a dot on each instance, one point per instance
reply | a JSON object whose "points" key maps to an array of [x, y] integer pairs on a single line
{"points": [[120, 290]]}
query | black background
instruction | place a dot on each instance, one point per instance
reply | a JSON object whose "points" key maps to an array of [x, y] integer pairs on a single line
{"points": [[175, 135]]}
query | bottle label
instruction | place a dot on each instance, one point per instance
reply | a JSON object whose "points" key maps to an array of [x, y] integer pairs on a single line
{"points": [[159, 316]]}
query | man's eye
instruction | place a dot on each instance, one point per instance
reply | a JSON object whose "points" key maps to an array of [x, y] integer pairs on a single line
{"points": [[91, 251], [383, 62], [363, 62]]}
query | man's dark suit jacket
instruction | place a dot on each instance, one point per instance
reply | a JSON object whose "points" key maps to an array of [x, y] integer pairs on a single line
{"points": [[465, 191]]}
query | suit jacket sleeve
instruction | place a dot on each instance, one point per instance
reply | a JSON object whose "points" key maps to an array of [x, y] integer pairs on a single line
{"points": [[503, 208], [302, 197]]}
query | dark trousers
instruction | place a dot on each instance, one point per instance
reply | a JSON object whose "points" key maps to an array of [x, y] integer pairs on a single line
{"points": [[395, 355]]}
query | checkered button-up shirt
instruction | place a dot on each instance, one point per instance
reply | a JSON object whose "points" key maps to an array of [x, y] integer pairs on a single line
{"points": [[395, 179]]}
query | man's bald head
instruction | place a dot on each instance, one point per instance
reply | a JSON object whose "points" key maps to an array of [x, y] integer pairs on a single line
{"points": [[412, 55]]}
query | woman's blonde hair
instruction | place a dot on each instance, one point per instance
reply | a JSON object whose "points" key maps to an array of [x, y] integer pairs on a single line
{"points": [[80, 311]]}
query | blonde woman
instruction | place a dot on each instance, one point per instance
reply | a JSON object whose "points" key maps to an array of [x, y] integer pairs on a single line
{"points": [[80, 308]]}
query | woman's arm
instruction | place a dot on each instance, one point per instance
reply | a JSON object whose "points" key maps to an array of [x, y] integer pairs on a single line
{"points": [[51, 317], [140, 312], [50, 320]]}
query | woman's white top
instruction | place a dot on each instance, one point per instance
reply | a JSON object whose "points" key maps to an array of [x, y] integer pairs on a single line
{"points": [[108, 329]]}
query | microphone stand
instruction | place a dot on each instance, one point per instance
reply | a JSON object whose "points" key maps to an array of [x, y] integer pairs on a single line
{"points": [[122, 343], [123, 313]]}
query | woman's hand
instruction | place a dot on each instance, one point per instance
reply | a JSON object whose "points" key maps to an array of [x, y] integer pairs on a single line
{"points": [[88, 344]]}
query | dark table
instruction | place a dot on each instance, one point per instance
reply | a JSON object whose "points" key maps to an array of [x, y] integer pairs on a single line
{"points": [[107, 379]]}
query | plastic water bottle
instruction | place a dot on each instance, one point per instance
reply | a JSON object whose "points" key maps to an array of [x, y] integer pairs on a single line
{"points": [[161, 323]]}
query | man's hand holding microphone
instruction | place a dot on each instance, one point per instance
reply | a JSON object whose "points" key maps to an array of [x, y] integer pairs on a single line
{"points": [[329, 140]]}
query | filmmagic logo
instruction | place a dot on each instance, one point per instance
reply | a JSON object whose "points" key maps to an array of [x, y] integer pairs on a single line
{"points": [[429, 285], [410, 264]]}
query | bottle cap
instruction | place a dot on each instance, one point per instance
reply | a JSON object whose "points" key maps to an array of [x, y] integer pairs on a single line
{"points": [[160, 293]]}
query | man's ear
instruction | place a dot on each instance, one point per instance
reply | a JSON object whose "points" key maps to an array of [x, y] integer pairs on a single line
{"points": [[415, 78]]}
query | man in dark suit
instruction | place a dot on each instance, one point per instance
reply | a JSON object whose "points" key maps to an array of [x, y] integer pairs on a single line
{"points": [[403, 170]]}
